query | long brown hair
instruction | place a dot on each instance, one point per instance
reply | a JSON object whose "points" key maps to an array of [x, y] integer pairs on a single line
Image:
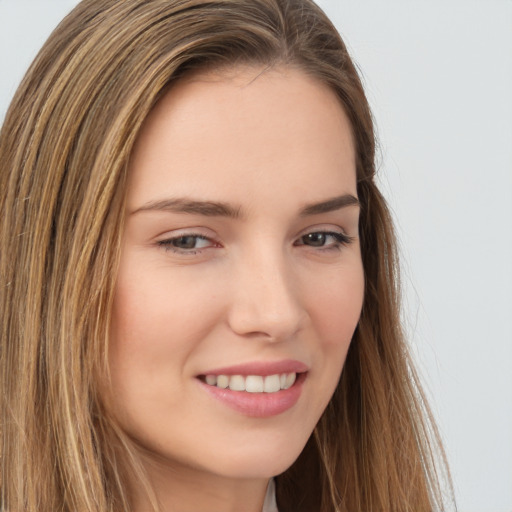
{"points": [[64, 149]]}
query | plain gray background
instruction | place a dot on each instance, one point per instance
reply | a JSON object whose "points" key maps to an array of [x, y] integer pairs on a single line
{"points": [[439, 77]]}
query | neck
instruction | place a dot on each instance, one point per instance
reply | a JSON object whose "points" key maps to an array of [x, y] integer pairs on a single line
{"points": [[182, 489]]}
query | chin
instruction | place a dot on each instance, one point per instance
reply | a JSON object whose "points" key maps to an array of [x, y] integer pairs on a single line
{"points": [[259, 462]]}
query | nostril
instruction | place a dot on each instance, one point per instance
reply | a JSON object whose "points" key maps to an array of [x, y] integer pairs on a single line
{"points": [[264, 321], [264, 303]]}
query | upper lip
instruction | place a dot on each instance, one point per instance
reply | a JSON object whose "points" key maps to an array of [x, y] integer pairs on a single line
{"points": [[262, 368]]}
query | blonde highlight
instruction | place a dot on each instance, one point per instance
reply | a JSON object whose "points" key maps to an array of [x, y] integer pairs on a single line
{"points": [[64, 151]]}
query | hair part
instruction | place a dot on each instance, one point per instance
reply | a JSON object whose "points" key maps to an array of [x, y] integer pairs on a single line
{"points": [[64, 151]]}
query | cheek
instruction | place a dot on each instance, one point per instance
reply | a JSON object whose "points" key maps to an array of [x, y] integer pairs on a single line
{"points": [[155, 310], [155, 328], [335, 311], [337, 307]]}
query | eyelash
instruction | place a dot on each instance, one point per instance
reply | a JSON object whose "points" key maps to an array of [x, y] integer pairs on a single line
{"points": [[168, 244], [340, 240]]}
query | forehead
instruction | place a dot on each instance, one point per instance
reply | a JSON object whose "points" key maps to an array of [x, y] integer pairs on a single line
{"points": [[243, 128]]}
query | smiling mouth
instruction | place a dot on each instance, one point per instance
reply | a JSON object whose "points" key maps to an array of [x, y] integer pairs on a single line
{"points": [[252, 383]]}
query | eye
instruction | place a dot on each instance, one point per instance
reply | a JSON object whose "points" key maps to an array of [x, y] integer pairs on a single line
{"points": [[324, 239], [186, 243]]}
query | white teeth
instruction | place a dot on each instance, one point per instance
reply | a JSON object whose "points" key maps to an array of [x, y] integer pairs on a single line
{"points": [[222, 381], [211, 380], [237, 383], [253, 383], [272, 383], [290, 380]]}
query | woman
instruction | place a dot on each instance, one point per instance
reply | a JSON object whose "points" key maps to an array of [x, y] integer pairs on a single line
{"points": [[200, 273]]}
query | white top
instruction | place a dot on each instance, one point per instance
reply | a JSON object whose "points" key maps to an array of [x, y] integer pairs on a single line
{"points": [[270, 505]]}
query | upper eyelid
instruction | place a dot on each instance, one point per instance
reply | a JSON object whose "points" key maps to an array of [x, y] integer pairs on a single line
{"points": [[200, 236], [180, 232], [323, 228], [207, 233], [213, 241]]}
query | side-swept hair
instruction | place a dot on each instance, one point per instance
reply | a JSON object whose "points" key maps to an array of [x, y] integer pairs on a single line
{"points": [[64, 149]]}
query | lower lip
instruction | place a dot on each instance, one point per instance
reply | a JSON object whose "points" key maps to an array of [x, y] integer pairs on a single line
{"points": [[258, 405]]}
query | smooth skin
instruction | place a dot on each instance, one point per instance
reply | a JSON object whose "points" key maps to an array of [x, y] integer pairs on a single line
{"points": [[263, 276]]}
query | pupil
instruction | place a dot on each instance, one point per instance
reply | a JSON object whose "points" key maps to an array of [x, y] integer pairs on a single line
{"points": [[185, 242], [316, 239]]}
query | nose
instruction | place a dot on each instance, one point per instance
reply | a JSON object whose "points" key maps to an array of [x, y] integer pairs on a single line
{"points": [[265, 300]]}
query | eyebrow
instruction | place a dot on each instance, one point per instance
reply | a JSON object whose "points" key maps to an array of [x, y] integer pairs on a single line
{"points": [[333, 204], [221, 209], [183, 205]]}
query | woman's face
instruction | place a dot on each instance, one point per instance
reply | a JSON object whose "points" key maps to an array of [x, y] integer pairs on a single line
{"points": [[240, 269]]}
